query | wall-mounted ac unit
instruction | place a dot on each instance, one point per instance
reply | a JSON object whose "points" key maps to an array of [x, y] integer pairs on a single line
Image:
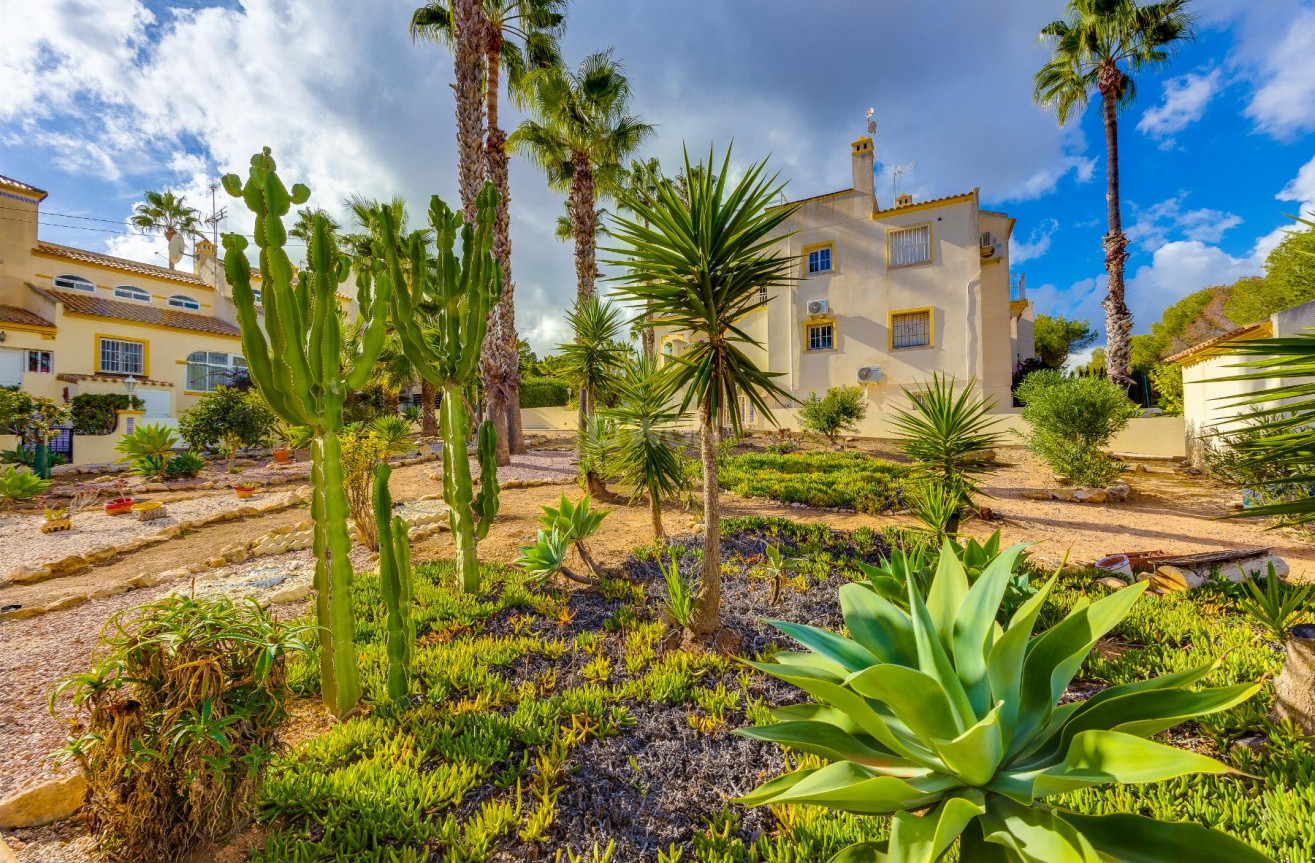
{"points": [[869, 374], [988, 239], [993, 251], [818, 307]]}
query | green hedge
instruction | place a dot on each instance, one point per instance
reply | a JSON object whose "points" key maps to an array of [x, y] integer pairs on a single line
{"points": [[544, 393], [862, 482], [94, 413]]}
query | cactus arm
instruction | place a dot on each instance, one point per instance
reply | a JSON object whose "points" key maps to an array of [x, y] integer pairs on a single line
{"points": [[337, 560], [395, 582], [486, 502], [323, 610], [456, 487]]}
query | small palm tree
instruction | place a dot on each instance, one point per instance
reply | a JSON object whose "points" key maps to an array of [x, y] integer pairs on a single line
{"points": [[597, 355], [946, 433], [697, 265], [648, 450], [1096, 47], [581, 133], [166, 214]]}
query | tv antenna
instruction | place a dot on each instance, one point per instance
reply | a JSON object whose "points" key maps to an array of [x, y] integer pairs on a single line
{"points": [[896, 174], [217, 215], [872, 124]]}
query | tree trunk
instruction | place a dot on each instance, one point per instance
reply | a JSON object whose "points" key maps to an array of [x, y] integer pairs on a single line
{"points": [[1294, 698], [705, 619], [468, 27], [515, 427], [428, 417], [583, 227], [1118, 320], [655, 511]]}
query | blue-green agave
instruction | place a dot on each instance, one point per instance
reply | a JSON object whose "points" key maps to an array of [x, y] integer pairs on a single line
{"points": [[939, 710]]}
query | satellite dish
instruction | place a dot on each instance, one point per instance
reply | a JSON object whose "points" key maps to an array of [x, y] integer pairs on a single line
{"points": [[872, 126], [176, 248]]}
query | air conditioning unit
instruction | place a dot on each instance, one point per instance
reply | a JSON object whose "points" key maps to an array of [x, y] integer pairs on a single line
{"points": [[992, 251], [869, 374], [988, 239], [818, 307]]}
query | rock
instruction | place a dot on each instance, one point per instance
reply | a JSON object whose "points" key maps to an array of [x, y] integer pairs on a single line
{"points": [[1172, 579], [1113, 582], [100, 479], [216, 562], [1139, 468], [25, 574], [290, 499], [6, 856], [66, 602], [1118, 490], [1062, 480], [1090, 495], [44, 803], [1061, 494], [1029, 494], [290, 593], [986, 455]]}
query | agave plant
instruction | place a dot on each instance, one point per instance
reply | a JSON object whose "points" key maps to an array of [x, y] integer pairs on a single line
{"points": [[575, 523], [546, 558], [940, 711], [19, 484], [148, 448]]}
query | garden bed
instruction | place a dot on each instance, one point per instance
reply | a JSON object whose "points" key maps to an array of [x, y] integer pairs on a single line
{"points": [[845, 480]]}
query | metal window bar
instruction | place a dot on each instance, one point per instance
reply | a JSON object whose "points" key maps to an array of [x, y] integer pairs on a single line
{"points": [[911, 330], [911, 246], [819, 337]]}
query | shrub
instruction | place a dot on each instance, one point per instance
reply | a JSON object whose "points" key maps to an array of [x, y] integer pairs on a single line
{"points": [[229, 417], [184, 466], [1167, 378], [1073, 420], [15, 407], [393, 431], [830, 479], [841, 409], [540, 392], [18, 484], [361, 451], [94, 413], [148, 449], [943, 712], [176, 720]]}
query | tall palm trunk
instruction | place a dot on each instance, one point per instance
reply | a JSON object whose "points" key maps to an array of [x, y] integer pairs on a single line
{"points": [[428, 416], [1118, 320], [502, 326], [583, 231], [705, 619], [468, 27]]}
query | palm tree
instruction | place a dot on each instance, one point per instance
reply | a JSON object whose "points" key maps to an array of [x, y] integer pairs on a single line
{"points": [[591, 364], [1096, 47], [519, 36], [167, 214], [641, 182], [648, 453], [698, 267], [582, 131]]}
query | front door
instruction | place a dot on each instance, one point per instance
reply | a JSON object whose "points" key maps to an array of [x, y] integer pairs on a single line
{"points": [[11, 367], [157, 402]]}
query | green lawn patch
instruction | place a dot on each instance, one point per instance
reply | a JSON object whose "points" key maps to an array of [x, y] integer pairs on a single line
{"points": [[830, 479]]}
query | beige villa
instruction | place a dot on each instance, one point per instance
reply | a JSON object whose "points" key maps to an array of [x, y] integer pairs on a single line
{"points": [[883, 297]]}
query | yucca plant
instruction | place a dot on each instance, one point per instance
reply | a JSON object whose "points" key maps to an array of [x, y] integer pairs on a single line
{"points": [[778, 566], [945, 431], [648, 453], [681, 596], [938, 710], [19, 484], [1277, 607], [575, 523]]}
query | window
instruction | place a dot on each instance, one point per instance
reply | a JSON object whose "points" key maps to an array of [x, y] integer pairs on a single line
{"points": [[122, 357], [819, 259], [255, 292], [207, 370], [909, 246], [40, 362], [911, 329], [74, 283], [819, 337], [182, 301], [762, 296], [128, 292]]}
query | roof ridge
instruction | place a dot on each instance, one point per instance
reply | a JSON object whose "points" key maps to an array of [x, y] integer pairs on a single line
{"points": [[122, 263]]}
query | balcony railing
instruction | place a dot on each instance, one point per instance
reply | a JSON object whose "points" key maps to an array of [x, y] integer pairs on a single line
{"points": [[1017, 290]]}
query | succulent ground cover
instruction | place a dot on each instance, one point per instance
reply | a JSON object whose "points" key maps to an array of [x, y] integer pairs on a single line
{"points": [[828, 479], [551, 725]]}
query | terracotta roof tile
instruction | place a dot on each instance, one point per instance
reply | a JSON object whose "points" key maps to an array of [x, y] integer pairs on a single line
{"points": [[77, 303], [1259, 330], [121, 264], [15, 315]]}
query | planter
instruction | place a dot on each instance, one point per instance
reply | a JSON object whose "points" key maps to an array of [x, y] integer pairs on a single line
{"points": [[55, 525], [283, 456], [119, 506], [148, 510], [244, 491], [300, 455]]}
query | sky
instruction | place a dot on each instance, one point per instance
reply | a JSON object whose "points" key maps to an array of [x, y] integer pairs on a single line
{"points": [[102, 99]]}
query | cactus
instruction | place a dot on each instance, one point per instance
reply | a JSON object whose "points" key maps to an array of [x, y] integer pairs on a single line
{"points": [[395, 576], [296, 362], [444, 348]]}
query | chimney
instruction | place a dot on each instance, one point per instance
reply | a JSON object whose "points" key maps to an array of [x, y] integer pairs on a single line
{"points": [[203, 256], [861, 155]]}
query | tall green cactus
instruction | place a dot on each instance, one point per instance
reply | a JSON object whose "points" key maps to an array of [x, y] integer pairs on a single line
{"points": [[444, 348], [297, 364], [395, 575]]}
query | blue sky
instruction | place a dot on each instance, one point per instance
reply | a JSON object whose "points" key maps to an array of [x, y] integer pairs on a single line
{"points": [[100, 99]]}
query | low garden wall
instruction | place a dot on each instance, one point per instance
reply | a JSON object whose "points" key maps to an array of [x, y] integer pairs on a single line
{"points": [[548, 419]]}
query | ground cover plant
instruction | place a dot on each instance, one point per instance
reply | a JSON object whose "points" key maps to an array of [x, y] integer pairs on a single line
{"points": [[844, 479], [545, 723]]}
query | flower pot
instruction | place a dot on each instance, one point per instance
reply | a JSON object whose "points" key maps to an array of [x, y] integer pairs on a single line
{"points": [[283, 456], [301, 455], [244, 491], [119, 506], [55, 525], [148, 510]]}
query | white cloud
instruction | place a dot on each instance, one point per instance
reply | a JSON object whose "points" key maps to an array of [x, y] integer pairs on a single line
{"points": [[1154, 226], [1185, 101], [1036, 245], [1301, 188]]}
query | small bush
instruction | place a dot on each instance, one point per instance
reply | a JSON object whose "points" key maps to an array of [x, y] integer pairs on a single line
{"points": [[94, 413], [361, 451], [841, 409], [544, 393], [184, 466], [176, 721], [1073, 420], [229, 417], [862, 482]]}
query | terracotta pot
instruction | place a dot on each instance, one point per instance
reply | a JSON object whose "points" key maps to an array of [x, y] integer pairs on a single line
{"points": [[119, 506], [243, 491], [283, 456]]}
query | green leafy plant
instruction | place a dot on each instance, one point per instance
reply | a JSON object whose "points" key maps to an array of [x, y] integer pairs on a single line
{"points": [[947, 431], [939, 710], [1072, 421], [596, 448], [681, 595], [184, 465], [148, 449], [840, 410], [541, 392], [847, 479], [18, 484], [176, 720], [232, 418], [575, 523], [1278, 606], [648, 453], [547, 557], [778, 566], [394, 431], [295, 436], [96, 413]]}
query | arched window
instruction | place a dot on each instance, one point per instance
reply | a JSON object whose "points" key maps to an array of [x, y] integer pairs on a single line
{"points": [[74, 283], [209, 369], [182, 301], [128, 292]]}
